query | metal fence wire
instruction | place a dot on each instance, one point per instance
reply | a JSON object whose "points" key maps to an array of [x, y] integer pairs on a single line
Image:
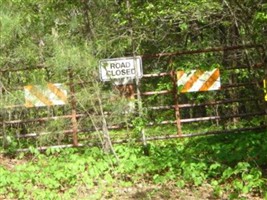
{"points": [[182, 94]]}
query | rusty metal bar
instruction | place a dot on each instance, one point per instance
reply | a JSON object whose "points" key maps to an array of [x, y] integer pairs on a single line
{"points": [[16, 88], [162, 122], [199, 119], [226, 86], [162, 107], [157, 75], [39, 66], [29, 135], [229, 131], [152, 108], [192, 105], [43, 148], [145, 76], [13, 106], [43, 119], [223, 87], [176, 103], [207, 50], [113, 127], [217, 102], [156, 92], [21, 87], [184, 52], [171, 122], [73, 109], [221, 117], [256, 65]]}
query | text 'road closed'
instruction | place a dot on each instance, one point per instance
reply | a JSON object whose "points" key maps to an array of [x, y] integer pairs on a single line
{"points": [[118, 68]]}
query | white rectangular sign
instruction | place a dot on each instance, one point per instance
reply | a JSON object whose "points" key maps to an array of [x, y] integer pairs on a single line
{"points": [[119, 68]]}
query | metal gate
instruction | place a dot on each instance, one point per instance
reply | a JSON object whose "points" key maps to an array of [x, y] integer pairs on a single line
{"points": [[182, 94]]}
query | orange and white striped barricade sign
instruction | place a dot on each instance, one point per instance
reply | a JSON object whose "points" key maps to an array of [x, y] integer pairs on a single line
{"points": [[50, 94], [197, 80], [265, 89]]}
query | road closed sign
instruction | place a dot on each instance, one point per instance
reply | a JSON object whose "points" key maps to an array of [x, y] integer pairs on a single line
{"points": [[119, 68]]}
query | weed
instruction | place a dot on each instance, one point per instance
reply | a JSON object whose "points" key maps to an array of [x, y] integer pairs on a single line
{"points": [[230, 164]]}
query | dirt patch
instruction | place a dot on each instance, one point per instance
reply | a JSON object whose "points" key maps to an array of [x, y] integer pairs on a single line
{"points": [[148, 191], [168, 192], [10, 162], [172, 192]]}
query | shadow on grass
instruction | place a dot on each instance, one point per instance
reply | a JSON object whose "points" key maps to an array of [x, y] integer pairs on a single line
{"points": [[226, 150]]}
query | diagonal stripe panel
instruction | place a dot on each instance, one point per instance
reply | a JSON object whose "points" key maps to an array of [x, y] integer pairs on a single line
{"points": [[191, 81], [183, 77], [59, 93], [215, 74], [48, 95], [37, 93], [180, 74], [28, 103], [197, 80]]}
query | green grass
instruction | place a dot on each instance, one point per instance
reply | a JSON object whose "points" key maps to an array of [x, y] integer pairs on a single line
{"points": [[232, 164]]}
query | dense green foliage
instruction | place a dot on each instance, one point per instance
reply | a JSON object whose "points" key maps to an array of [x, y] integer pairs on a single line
{"points": [[57, 37], [232, 164], [75, 34], [32, 30]]}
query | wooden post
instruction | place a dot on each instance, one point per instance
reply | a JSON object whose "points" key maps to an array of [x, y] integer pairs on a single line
{"points": [[73, 109], [176, 103]]}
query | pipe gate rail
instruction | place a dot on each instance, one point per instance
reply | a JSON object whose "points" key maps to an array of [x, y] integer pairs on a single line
{"points": [[238, 106]]}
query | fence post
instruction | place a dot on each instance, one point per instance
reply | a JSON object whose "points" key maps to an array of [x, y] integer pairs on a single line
{"points": [[73, 109], [176, 102], [140, 109]]}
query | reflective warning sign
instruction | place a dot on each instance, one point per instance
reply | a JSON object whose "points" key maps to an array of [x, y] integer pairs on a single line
{"points": [[197, 80], [45, 95]]}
